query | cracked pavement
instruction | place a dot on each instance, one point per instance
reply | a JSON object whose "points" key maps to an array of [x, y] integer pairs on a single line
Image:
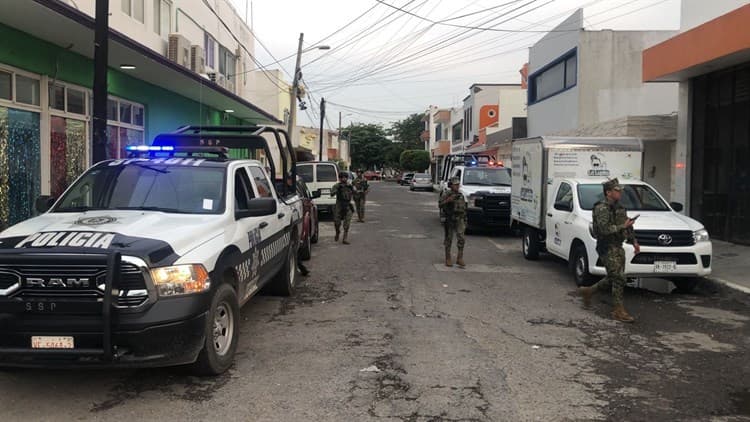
{"points": [[380, 331]]}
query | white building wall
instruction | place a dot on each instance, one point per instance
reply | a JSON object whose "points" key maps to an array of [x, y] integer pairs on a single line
{"points": [[546, 116], [432, 126], [457, 115], [610, 77], [696, 12], [512, 104], [191, 18]]}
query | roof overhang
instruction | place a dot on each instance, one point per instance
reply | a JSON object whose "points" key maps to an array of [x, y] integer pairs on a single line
{"points": [[717, 44], [60, 24]]}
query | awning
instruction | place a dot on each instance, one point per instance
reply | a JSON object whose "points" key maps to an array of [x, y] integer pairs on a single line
{"points": [[717, 44], [60, 24]]}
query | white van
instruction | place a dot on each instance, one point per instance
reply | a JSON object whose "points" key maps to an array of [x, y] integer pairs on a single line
{"points": [[557, 181], [320, 176]]}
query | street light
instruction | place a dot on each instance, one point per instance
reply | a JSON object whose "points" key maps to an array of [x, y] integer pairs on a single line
{"points": [[295, 83]]}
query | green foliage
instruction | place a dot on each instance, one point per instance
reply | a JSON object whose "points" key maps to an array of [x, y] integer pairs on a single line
{"points": [[407, 132], [342, 165], [415, 160], [368, 145]]}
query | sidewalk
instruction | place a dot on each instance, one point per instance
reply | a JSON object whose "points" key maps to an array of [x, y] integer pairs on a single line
{"points": [[731, 265]]}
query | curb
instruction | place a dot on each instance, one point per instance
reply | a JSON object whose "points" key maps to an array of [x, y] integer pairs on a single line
{"points": [[728, 284]]}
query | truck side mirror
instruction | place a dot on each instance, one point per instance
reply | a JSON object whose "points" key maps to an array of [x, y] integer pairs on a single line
{"points": [[257, 207], [676, 206], [564, 206], [315, 194], [44, 203]]}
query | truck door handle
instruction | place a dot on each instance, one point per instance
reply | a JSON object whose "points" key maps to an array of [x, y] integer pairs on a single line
{"points": [[263, 225], [549, 214], [281, 215], [567, 222]]}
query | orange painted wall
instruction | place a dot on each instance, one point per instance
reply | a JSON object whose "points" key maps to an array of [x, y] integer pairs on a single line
{"points": [[488, 115], [725, 35]]}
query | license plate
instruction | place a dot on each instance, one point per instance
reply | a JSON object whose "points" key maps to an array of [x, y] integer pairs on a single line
{"points": [[665, 266], [325, 191], [51, 342]]}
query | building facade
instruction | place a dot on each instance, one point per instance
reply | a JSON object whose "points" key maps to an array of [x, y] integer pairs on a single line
{"points": [[589, 83], [46, 79], [710, 59]]}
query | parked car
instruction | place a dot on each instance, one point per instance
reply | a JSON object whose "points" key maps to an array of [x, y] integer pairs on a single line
{"points": [[309, 219], [372, 175], [320, 176], [405, 179], [421, 181]]}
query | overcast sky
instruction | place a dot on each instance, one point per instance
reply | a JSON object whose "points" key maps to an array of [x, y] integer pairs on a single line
{"points": [[385, 64]]}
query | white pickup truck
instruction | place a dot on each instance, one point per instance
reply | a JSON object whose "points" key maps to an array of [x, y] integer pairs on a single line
{"points": [[558, 180]]}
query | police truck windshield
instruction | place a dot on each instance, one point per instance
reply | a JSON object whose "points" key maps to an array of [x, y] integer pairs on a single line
{"points": [[146, 186], [634, 197], [487, 176]]}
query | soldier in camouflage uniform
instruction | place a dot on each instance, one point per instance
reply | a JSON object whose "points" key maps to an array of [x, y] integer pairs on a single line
{"points": [[611, 228], [361, 187], [343, 209], [453, 205]]}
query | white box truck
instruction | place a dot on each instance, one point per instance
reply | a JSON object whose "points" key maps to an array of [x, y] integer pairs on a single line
{"points": [[558, 180]]}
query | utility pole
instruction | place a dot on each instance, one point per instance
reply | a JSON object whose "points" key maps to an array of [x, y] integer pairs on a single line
{"points": [[295, 87], [322, 119], [339, 137], [101, 44]]}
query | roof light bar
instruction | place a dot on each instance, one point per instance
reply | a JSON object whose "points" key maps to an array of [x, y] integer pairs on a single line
{"points": [[146, 148]]}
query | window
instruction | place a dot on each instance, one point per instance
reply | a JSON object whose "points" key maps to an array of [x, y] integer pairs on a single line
{"points": [[555, 77], [306, 173], [76, 101], [68, 99], [209, 48], [485, 176], [162, 17], [27, 90], [243, 190], [133, 8], [261, 182], [125, 126], [564, 198], [326, 173], [6, 85], [227, 62], [57, 97]]}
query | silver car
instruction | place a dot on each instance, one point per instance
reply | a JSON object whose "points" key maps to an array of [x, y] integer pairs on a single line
{"points": [[421, 181]]}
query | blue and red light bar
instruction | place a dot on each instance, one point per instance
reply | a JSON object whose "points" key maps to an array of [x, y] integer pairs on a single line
{"points": [[148, 148]]}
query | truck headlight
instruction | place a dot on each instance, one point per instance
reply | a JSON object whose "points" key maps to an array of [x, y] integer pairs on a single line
{"points": [[180, 280], [701, 235], [476, 199]]}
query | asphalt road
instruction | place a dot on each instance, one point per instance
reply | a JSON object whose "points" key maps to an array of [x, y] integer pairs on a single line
{"points": [[382, 331]]}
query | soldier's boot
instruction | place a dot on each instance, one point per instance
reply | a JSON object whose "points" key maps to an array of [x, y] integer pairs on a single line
{"points": [[586, 294], [346, 237], [336, 238], [460, 258], [448, 261], [620, 314]]}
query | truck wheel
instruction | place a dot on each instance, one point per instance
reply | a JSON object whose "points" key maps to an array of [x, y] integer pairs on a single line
{"points": [[530, 244], [314, 238], [222, 332], [305, 251], [685, 285], [579, 262], [283, 283]]}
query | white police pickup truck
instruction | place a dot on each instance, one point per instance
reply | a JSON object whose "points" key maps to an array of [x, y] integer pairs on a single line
{"points": [[487, 192], [146, 261], [558, 180]]}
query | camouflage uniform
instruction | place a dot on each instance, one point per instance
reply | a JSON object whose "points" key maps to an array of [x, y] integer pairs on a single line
{"points": [[361, 187], [455, 221], [342, 211]]}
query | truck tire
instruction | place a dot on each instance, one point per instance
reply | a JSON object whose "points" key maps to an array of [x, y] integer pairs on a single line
{"points": [[305, 251], [530, 244], [222, 333], [314, 238], [283, 283], [579, 264], [685, 285]]}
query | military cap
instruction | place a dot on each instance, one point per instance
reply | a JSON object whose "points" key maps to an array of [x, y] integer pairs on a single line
{"points": [[612, 184]]}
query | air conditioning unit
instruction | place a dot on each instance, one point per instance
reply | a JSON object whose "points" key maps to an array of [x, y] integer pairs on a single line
{"points": [[221, 80], [179, 50], [212, 76], [197, 59], [231, 84]]}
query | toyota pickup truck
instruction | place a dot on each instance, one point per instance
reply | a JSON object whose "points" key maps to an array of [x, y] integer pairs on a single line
{"points": [[146, 261], [558, 180]]}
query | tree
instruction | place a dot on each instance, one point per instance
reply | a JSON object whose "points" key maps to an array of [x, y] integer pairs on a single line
{"points": [[408, 132], [415, 160], [368, 144]]}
